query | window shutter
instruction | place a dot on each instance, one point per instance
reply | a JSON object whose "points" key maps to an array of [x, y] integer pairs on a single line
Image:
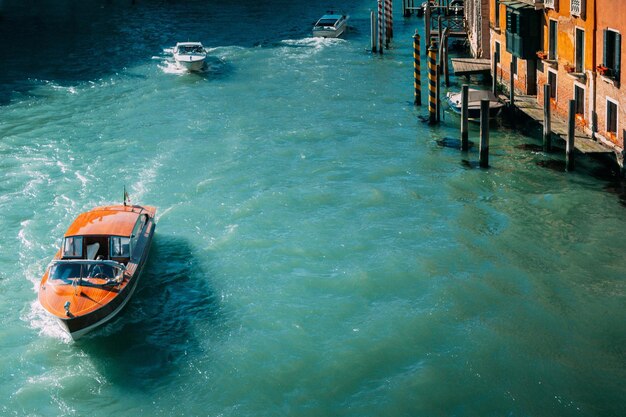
{"points": [[618, 50], [604, 54]]}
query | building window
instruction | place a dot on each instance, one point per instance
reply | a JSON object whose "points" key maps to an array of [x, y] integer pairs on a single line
{"points": [[612, 52], [552, 34], [551, 3], [611, 116], [577, 8], [552, 82], [497, 53], [580, 50], [497, 14], [579, 98]]}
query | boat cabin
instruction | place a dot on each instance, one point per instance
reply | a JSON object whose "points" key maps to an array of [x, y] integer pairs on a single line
{"points": [[99, 244], [104, 235]]}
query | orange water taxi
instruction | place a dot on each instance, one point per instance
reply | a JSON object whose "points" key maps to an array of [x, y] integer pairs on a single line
{"points": [[96, 270]]}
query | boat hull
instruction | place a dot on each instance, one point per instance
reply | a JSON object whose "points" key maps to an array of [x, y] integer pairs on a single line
{"points": [[190, 64], [473, 108], [77, 327], [329, 33]]}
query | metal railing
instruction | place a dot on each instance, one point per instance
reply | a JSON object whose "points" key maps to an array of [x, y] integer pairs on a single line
{"points": [[577, 7]]}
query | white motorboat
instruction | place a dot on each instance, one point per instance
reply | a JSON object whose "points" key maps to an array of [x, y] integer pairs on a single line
{"points": [[190, 55], [473, 103], [330, 25]]}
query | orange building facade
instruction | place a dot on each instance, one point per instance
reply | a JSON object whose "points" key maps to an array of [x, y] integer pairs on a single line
{"points": [[610, 99], [567, 59], [578, 53]]}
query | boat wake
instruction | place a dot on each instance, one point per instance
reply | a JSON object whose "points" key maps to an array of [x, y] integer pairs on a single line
{"points": [[45, 324], [313, 42]]}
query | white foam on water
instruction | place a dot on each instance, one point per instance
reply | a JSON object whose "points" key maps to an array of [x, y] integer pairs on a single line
{"points": [[38, 319], [21, 235], [146, 177], [83, 180], [171, 67], [313, 42], [166, 211]]}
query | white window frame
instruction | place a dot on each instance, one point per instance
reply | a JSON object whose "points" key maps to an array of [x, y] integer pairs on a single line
{"points": [[556, 89], [551, 4], [606, 118], [576, 28], [584, 87], [577, 11], [499, 65], [556, 39]]}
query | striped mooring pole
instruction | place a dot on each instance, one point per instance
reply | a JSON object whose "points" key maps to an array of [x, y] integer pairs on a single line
{"points": [[417, 83], [381, 26], [389, 20], [432, 82]]}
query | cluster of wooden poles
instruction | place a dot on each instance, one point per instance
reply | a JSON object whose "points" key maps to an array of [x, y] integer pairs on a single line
{"points": [[384, 33], [434, 102]]}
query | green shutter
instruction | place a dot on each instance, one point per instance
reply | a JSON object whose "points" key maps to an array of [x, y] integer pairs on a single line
{"points": [[604, 44], [618, 54]]}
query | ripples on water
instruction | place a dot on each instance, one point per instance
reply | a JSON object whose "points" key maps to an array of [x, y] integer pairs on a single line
{"points": [[319, 251]]}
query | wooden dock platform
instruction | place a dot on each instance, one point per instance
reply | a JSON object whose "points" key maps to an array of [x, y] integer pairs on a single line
{"points": [[582, 142], [470, 66]]}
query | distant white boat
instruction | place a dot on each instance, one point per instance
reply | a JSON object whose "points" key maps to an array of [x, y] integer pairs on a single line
{"points": [[330, 25], [473, 103], [190, 55]]}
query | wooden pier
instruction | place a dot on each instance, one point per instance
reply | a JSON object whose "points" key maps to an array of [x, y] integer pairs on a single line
{"points": [[470, 66], [583, 142]]}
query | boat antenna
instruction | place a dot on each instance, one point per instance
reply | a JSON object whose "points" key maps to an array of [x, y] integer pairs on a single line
{"points": [[125, 195]]}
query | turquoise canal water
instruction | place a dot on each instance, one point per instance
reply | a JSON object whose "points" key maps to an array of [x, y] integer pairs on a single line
{"points": [[318, 252]]}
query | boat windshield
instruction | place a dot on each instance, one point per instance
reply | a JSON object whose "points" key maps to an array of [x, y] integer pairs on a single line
{"points": [[87, 272], [190, 50], [326, 22]]}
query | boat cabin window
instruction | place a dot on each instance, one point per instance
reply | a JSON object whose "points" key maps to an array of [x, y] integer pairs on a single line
{"points": [[73, 247], [138, 229], [190, 50], [326, 22], [120, 247]]}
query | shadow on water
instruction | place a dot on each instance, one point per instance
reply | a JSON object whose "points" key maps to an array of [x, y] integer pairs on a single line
{"points": [[454, 143], [154, 334]]}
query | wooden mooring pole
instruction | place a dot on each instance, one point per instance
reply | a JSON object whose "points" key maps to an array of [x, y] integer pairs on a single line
{"points": [[439, 36], [389, 19], [547, 122], [373, 30], [494, 79], [417, 83], [571, 135], [381, 27], [427, 18], [484, 134], [446, 70], [438, 93], [512, 85], [464, 116], [432, 80]]}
